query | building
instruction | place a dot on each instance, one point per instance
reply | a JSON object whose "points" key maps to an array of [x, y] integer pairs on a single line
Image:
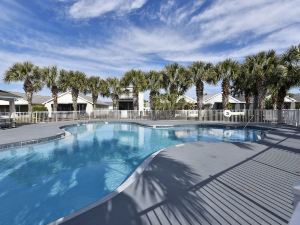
{"points": [[126, 100], [7, 102], [214, 101], [21, 103], [64, 100], [289, 102], [84, 103], [297, 98]]}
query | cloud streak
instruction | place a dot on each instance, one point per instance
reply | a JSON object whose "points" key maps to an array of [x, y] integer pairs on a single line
{"points": [[83, 9]]}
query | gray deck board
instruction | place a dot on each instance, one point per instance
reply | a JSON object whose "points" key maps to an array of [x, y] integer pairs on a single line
{"points": [[256, 212]]}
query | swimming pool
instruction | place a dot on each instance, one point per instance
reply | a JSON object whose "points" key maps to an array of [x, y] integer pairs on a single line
{"points": [[43, 182]]}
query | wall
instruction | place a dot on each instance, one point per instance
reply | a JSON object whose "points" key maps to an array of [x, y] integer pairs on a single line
{"points": [[141, 101], [89, 108]]}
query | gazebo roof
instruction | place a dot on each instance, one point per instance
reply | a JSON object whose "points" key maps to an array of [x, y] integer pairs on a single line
{"points": [[7, 95]]}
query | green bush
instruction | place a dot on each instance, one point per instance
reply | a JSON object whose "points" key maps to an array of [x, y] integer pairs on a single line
{"points": [[39, 108]]}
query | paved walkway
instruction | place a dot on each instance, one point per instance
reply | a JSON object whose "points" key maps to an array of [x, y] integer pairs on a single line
{"points": [[203, 183]]}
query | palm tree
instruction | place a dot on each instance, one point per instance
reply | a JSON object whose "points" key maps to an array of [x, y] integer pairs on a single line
{"points": [[263, 66], [176, 81], [243, 83], [50, 76], [73, 81], [155, 80], [138, 80], [116, 89], [201, 72], [31, 77], [226, 71], [96, 86], [288, 73]]}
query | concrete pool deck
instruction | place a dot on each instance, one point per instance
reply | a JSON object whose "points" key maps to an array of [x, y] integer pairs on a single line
{"points": [[201, 182]]}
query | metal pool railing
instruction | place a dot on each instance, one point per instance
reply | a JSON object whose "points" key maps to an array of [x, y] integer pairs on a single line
{"points": [[291, 117]]}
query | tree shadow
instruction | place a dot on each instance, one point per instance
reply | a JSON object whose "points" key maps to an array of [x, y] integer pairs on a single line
{"points": [[167, 184]]}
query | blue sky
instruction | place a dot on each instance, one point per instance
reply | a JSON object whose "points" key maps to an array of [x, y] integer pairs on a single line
{"points": [[109, 37]]}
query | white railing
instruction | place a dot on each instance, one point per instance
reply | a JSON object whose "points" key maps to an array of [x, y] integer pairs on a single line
{"points": [[291, 117]]}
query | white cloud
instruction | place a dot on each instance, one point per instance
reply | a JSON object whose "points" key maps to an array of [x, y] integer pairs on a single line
{"points": [[173, 14], [83, 9], [228, 20]]}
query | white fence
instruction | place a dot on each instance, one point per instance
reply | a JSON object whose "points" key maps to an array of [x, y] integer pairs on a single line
{"points": [[291, 117]]}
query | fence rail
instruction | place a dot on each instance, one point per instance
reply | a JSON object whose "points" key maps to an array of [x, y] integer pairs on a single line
{"points": [[291, 117]]}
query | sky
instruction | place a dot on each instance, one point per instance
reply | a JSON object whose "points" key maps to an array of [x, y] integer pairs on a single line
{"points": [[108, 37]]}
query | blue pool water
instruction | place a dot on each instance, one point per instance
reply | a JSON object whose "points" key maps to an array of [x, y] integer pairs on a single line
{"points": [[43, 182]]}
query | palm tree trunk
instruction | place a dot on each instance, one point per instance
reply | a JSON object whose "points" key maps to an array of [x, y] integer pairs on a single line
{"points": [[115, 103], [280, 103], [75, 94], [95, 98], [151, 98], [55, 97], [29, 100], [247, 99], [280, 98], [261, 95], [261, 98], [199, 93], [135, 101], [255, 101], [274, 101], [225, 94]]}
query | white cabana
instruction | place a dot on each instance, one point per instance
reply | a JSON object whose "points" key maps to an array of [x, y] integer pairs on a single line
{"points": [[7, 98]]}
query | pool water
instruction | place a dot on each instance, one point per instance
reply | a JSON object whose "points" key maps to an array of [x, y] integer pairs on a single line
{"points": [[43, 182]]}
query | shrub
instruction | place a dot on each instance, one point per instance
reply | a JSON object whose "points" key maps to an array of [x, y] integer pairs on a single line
{"points": [[39, 108]]}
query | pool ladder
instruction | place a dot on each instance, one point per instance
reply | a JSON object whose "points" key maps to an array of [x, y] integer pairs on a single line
{"points": [[248, 121]]}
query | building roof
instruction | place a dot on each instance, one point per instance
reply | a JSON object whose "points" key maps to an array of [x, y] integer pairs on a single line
{"points": [[208, 96], [42, 99], [90, 99], [36, 99], [187, 99], [109, 103], [82, 96], [296, 97], [6, 94], [242, 98], [217, 98]]}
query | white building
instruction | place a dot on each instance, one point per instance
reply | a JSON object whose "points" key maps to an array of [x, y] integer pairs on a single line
{"points": [[7, 102], [64, 100], [214, 101], [126, 101], [187, 99], [84, 103]]}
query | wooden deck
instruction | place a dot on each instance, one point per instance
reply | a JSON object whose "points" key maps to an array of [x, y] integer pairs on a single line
{"points": [[258, 191]]}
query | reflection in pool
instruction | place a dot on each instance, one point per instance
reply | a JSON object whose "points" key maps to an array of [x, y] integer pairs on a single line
{"points": [[43, 182]]}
